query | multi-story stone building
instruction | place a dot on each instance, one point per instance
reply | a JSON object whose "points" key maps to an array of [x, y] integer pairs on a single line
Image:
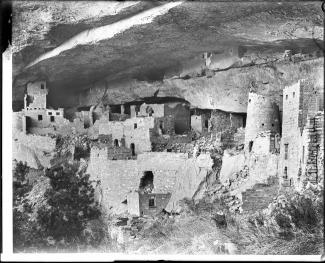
{"points": [[36, 115], [302, 143]]}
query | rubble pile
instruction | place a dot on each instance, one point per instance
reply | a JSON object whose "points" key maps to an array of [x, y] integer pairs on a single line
{"points": [[75, 146], [180, 147], [224, 192]]}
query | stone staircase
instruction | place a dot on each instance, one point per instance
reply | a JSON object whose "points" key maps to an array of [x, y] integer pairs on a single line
{"points": [[260, 195]]}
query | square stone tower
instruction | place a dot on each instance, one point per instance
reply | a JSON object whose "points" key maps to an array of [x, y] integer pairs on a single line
{"points": [[35, 99], [301, 103]]}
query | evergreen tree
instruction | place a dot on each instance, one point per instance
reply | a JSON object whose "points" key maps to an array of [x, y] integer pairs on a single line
{"points": [[70, 203]]}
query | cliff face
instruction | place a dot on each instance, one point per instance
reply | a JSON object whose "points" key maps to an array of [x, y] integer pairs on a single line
{"points": [[207, 53]]}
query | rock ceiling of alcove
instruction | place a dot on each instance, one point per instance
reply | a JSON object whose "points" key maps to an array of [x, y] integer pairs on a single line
{"points": [[148, 51]]}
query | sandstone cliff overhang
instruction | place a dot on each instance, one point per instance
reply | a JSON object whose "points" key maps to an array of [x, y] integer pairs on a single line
{"points": [[134, 49]]}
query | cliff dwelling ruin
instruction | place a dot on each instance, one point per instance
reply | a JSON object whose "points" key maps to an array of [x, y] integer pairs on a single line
{"points": [[172, 110], [128, 140]]}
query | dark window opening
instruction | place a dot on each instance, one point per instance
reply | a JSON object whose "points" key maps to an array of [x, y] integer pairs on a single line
{"points": [[181, 127], [286, 97], [152, 202], [30, 99], [40, 117], [127, 109], [161, 127], [137, 109], [50, 113], [272, 124], [303, 154], [146, 181], [42, 86], [293, 94], [149, 110], [206, 123], [132, 147], [262, 124], [244, 121], [286, 147], [52, 119], [116, 143], [115, 108], [135, 125], [169, 150], [81, 152], [285, 175], [58, 113], [249, 100], [250, 146]]}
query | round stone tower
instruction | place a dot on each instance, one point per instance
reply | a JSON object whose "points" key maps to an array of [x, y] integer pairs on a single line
{"points": [[262, 115]]}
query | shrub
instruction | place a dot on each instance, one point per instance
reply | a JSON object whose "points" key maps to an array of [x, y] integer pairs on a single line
{"points": [[20, 207]]}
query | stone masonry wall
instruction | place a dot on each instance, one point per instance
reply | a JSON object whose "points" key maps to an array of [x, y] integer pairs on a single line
{"points": [[158, 110], [236, 120], [313, 145], [182, 116], [220, 121], [164, 125], [119, 177], [161, 201], [50, 118], [291, 134], [299, 110], [262, 115], [36, 95], [110, 152], [134, 130], [200, 123], [196, 123], [266, 142], [308, 100]]}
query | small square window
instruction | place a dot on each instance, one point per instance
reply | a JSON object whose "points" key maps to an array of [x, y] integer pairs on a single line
{"points": [[40, 117], [50, 113], [58, 113], [152, 202]]}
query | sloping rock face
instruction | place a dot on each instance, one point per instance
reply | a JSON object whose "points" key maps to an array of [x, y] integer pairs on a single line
{"points": [[208, 53], [193, 172]]}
